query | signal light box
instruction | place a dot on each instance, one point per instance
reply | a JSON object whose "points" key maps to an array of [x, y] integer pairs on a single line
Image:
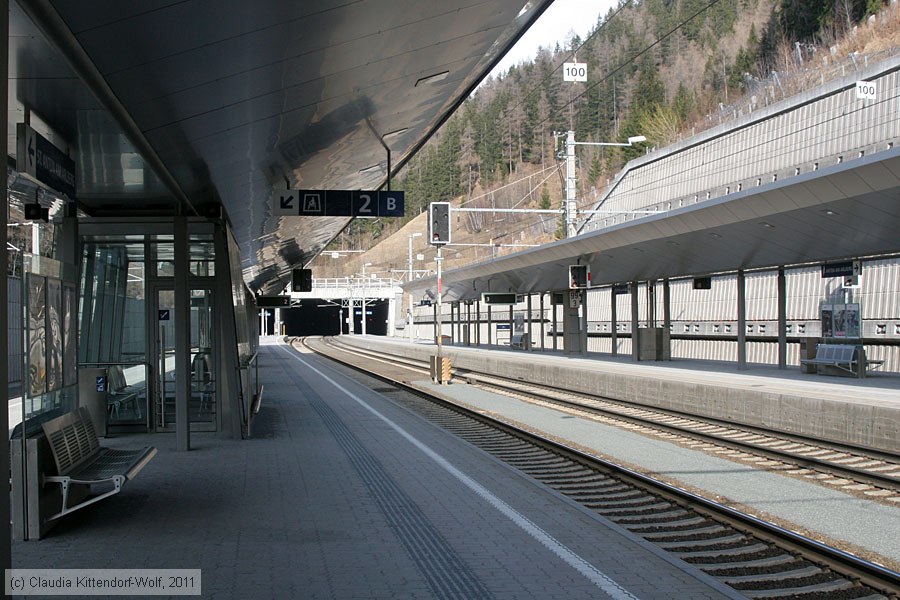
{"points": [[439, 223], [702, 283], [579, 277], [301, 280]]}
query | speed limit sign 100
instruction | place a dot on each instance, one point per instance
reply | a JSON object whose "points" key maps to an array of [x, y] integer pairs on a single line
{"points": [[865, 90]]}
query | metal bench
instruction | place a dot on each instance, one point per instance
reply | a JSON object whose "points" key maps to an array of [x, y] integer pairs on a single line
{"points": [[83, 464], [846, 357], [120, 393]]}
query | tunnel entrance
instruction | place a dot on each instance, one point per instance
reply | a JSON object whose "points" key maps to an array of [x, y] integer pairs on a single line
{"points": [[312, 317], [376, 318], [321, 317]]}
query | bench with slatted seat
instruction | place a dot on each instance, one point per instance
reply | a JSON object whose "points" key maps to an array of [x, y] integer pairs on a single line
{"points": [[84, 465], [121, 394], [846, 357]]}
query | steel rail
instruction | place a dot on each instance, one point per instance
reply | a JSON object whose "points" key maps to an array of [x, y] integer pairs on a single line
{"points": [[822, 465]]}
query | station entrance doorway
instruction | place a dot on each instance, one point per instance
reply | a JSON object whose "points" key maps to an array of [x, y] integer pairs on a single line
{"points": [[202, 405]]}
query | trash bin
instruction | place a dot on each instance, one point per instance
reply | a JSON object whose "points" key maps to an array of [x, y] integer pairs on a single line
{"points": [[808, 347], [93, 389]]}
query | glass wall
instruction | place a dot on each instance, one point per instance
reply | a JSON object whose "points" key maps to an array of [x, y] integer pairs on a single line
{"points": [[113, 343], [128, 326]]}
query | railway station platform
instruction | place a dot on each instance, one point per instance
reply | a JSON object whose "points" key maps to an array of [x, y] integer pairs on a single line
{"points": [[863, 526], [341, 493]]}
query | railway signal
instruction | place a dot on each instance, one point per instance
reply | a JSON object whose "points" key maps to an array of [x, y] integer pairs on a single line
{"points": [[439, 223], [579, 277]]}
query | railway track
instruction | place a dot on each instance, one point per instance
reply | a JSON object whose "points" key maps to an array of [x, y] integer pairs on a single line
{"points": [[756, 558], [863, 472]]}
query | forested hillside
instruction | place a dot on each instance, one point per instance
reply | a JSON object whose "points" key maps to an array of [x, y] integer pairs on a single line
{"points": [[657, 68]]}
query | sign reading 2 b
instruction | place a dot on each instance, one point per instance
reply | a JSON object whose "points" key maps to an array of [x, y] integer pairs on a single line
{"points": [[337, 203]]}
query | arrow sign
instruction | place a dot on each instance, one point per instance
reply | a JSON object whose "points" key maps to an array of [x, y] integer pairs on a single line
{"points": [[284, 204], [43, 161], [30, 139], [337, 203]]}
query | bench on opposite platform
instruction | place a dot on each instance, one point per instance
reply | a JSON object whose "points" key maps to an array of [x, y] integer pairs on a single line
{"points": [[848, 358]]}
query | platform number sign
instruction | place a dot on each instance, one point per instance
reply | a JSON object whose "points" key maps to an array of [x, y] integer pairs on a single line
{"points": [[574, 71], [337, 203], [866, 90]]}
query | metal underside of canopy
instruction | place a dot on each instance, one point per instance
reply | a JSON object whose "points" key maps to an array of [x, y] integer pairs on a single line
{"points": [[180, 107]]}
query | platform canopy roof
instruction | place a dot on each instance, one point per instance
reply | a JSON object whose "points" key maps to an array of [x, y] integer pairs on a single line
{"points": [[842, 212], [180, 107]]}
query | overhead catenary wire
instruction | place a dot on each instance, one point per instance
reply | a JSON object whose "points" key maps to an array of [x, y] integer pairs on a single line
{"points": [[622, 65], [537, 88], [512, 183], [639, 54]]}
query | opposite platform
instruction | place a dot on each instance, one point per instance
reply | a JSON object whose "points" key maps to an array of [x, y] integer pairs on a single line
{"points": [[863, 412], [344, 494]]}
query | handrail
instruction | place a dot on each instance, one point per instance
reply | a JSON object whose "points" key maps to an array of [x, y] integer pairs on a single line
{"points": [[114, 363]]}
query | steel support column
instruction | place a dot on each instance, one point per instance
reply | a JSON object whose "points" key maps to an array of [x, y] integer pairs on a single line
{"points": [[782, 319], [667, 316], [555, 324], [614, 320], [477, 323], [543, 325], [582, 324], [182, 337], [228, 392], [635, 349], [741, 320]]}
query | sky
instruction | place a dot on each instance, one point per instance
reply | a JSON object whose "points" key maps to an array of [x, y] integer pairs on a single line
{"points": [[556, 24]]}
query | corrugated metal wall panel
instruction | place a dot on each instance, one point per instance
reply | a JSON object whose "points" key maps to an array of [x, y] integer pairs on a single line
{"points": [[761, 296], [880, 289], [803, 288], [698, 311], [834, 124]]}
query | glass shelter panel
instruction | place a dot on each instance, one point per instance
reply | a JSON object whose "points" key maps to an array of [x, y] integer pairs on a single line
{"points": [[202, 400], [113, 342]]}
